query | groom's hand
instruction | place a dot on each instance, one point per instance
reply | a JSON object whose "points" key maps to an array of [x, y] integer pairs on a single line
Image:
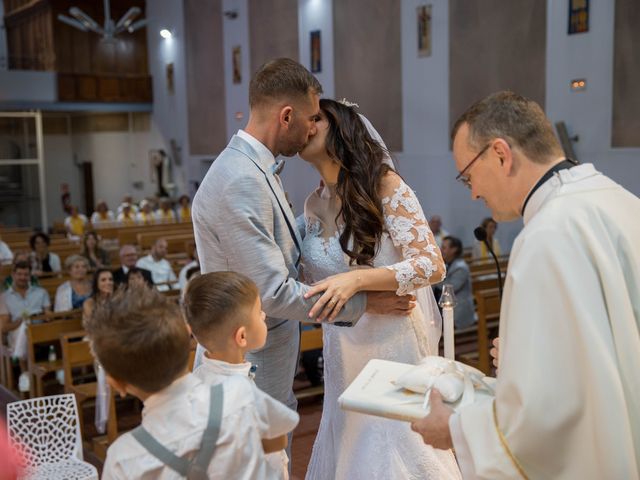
{"points": [[388, 303]]}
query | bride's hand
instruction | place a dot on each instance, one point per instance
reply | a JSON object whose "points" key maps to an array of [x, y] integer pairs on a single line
{"points": [[338, 289]]}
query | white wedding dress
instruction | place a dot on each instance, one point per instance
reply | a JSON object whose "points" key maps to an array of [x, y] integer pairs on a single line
{"points": [[351, 445]]}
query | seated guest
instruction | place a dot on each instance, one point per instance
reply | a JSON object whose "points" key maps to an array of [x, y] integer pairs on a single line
{"points": [[165, 213], [183, 275], [73, 293], [19, 302], [184, 212], [102, 289], [480, 250], [6, 255], [21, 256], [142, 342], [96, 256], [76, 223], [225, 314], [459, 275], [128, 259], [128, 200], [435, 224], [43, 261], [160, 268], [145, 215], [127, 217], [135, 278], [102, 215]]}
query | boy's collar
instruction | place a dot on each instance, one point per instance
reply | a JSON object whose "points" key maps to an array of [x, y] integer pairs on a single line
{"points": [[226, 368], [180, 386]]}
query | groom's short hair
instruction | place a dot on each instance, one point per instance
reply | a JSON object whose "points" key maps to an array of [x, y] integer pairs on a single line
{"points": [[279, 79]]}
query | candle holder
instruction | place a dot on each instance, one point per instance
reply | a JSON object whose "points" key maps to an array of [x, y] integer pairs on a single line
{"points": [[448, 297], [447, 303]]}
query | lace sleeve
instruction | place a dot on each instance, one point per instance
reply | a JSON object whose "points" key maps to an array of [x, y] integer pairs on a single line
{"points": [[409, 230]]}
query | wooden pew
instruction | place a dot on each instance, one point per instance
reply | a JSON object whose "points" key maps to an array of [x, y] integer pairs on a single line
{"points": [[76, 353], [55, 324], [51, 284], [485, 282], [310, 339], [130, 234], [488, 310], [175, 241]]}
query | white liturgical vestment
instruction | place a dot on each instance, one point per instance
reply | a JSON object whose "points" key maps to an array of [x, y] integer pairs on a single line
{"points": [[567, 402]]}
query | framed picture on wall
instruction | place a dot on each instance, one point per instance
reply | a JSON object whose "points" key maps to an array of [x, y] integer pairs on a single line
{"points": [[169, 75], [423, 17], [236, 60], [316, 51], [578, 16]]}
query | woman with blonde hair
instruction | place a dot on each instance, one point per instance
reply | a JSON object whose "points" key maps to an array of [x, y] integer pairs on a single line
{"points": [[480, 250], [73, 293]]}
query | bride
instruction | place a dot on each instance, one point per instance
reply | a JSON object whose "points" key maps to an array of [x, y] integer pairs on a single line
{"points": [[365, 230]]}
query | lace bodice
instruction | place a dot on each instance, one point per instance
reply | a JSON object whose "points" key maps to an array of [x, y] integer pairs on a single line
{"points": [[407, 247]]}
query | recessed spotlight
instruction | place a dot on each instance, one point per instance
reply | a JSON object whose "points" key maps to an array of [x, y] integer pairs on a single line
{"points": [[166, 34]]}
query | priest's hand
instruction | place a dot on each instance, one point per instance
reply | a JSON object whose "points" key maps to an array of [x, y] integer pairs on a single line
{"points": [[434, 428], [495, 351]]}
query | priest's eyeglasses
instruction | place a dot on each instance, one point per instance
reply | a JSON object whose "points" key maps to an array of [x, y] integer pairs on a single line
{"points": [[464, 179]]}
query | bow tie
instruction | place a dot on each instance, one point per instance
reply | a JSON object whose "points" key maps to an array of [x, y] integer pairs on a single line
{"points": [[278, 166]]}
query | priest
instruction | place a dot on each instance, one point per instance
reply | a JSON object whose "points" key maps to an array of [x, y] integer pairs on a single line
{"points": [[567, 401]]}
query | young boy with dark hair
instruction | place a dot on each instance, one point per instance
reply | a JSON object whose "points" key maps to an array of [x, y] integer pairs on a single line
{"points": [[188, 429]]}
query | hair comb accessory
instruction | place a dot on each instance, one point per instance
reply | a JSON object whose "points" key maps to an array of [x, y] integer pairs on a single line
{"points": [[349, 104]]}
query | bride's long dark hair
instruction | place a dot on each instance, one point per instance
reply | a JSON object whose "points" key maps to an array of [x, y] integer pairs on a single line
{"points": [[360, 158]]}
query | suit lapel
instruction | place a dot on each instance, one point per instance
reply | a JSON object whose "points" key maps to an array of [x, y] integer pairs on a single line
{"points": [[243, 147]]}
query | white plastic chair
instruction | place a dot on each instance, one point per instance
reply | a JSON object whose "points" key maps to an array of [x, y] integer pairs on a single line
{"points": [[46, 433]]}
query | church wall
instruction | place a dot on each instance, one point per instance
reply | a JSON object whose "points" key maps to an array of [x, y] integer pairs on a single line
{"points": [[117, 145], [588, 114], [426, 160], [170, 114]]}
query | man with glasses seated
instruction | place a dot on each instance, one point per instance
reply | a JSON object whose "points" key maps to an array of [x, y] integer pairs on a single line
{"points": [[567, 402]]}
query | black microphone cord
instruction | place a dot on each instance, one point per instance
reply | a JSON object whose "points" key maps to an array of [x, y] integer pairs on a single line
{"points": [[481, 235]]}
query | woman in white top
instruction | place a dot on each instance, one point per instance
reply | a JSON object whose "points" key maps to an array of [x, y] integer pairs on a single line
{"points": [[73, 293], [102, 215], [145, 215], [165, 213]]}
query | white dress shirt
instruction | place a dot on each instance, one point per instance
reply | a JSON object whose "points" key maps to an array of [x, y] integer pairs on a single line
{"points": [[6, 255], [213, 372], [177, 416], [161, 271]]}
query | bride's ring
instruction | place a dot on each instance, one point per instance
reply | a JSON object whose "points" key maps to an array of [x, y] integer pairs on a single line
{"points": [[333, 301]]}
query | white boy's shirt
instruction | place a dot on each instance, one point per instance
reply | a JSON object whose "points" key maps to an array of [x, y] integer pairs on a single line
{"points": [[177, 416], [213, 372]]}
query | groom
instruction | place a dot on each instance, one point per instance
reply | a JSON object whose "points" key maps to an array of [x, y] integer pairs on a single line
{"points": [[243, 222]]}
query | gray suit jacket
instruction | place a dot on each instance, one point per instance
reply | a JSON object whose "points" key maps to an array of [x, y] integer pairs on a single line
{"points": [[459, 275], [243, 223]]}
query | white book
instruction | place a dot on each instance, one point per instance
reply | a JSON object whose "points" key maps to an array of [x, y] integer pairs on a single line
{"points": [[374, 392]]}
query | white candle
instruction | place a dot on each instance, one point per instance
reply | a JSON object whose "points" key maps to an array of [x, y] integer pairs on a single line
{"points": [[449, 342]]}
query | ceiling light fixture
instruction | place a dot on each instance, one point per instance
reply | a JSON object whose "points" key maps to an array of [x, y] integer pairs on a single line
{"points": [[84, 22], [166, 34]]}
